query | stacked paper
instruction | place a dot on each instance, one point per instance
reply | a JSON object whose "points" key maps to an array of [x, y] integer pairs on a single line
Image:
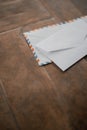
{"points": [[63, 44]]}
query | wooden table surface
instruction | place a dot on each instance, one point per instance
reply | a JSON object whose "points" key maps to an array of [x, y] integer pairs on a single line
{"points": [[33, 97]]}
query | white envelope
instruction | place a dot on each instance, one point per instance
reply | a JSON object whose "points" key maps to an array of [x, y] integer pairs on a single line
{"points": [[46, 47], [67, 45]]}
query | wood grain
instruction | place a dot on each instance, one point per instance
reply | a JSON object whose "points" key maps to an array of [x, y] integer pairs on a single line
{"points": [[64, 10], [71, 87], [7, 120], [81, 5], [15, 13]]}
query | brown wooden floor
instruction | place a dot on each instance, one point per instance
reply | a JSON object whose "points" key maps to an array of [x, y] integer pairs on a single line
{"points": [[32, 97]]}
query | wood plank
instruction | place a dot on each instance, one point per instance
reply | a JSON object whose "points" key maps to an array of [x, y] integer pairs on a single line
{"points": [[63, 9], [15, 13], [39, 24], [29, 89], [71, 87], [81, 5], [7, 119]]}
